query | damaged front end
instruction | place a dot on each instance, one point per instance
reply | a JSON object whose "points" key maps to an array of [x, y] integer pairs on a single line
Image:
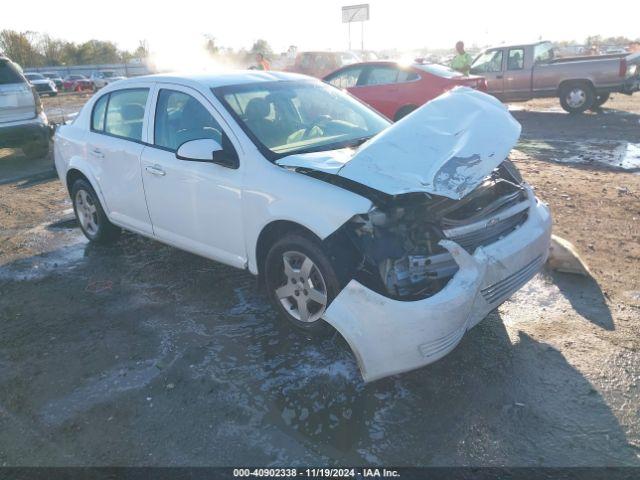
{"points": [[430, 268], [399, 241], [452, 233]]}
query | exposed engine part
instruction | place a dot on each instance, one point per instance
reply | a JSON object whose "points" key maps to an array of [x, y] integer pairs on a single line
{"points": [[415, 273], [399, 239]]}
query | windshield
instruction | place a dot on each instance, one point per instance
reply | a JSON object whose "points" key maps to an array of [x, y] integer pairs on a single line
{"points": [[107, 74], [34, 76], [290, 117], [486, 62]]}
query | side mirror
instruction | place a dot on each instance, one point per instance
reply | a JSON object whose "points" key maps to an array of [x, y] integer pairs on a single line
{"points": [[203, 150]]}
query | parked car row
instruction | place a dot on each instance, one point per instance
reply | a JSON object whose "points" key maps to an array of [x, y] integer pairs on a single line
{"points": [[50, 83]]}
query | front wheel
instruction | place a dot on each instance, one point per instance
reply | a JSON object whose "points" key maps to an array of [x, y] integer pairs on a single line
{"points": [[301, 281], [91, 217], [577, 97]]}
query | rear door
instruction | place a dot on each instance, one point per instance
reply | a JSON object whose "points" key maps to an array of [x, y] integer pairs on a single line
{"points": [[490, 64], [17, 102], [114, 146]]}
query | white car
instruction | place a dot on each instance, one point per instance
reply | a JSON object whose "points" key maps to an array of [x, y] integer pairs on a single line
{"points": [[402, 237], [105, 77], [42, 84]]}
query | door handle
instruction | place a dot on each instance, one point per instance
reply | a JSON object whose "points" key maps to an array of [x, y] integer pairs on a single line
{"points": [[96, 152], [155, 170]]}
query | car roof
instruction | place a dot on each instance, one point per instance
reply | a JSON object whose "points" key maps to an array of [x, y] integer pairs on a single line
{"points": [[218, 79]]}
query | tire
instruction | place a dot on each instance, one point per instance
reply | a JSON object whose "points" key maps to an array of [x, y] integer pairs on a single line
{"points": [[403, 112], [35, 150], [600, 100], [577, 97], [313, 285], [91, 217]]}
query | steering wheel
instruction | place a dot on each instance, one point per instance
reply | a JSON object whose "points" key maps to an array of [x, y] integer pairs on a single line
{"points": [[316, 123]]}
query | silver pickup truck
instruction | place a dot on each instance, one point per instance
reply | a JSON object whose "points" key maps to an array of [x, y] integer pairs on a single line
{"points": [[523, 72]]}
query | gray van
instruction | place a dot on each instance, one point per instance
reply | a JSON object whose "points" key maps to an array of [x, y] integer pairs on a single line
{"points": [[23, 123]]}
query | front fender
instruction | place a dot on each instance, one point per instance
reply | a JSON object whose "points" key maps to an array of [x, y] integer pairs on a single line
{"points": [[318, 206]]}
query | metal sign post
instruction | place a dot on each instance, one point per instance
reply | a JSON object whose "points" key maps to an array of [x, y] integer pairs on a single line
{"points": [[356, 13]]}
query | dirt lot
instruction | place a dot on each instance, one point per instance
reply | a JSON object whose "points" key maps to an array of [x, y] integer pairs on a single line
{"points": [[141, 354]]}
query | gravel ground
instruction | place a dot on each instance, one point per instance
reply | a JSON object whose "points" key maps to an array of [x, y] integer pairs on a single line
{"points": [[140, 354]]}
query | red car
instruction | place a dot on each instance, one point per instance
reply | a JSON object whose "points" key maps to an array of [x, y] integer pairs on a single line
{"points": [[77, 83], [395, 90]]}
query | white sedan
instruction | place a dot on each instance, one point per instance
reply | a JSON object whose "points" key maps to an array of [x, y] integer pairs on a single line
{"points": [[401, 237]]}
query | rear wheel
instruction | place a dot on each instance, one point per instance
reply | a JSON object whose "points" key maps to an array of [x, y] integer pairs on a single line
{"points": [[91, 217], [301, 282], [577, 97]]}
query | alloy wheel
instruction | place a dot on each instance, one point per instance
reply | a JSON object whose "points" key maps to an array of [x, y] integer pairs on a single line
{"points": [[87, 212], [304, 293]]}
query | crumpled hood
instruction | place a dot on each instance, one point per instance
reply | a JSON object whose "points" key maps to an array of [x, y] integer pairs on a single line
{"points": [[446, 147]]}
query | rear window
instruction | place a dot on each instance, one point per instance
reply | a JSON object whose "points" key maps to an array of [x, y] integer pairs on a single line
{"points": [[439, 70], [9, 73], [125, 113]]}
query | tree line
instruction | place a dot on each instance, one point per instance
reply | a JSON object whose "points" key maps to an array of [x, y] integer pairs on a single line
{"points": [[32, 49]]}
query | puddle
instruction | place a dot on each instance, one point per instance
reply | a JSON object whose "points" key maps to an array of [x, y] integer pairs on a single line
{"points": [[40, 266], [619, 155]]}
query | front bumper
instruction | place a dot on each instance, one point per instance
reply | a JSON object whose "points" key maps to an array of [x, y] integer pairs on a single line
{"points": [[17, 134], [390, 336]]}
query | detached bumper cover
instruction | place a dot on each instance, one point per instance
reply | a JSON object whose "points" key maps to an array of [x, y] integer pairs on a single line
{"points": [[389, 336]]}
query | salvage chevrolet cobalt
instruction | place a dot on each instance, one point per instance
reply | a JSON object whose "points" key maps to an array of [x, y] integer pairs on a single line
{"points": [[401, 237]]}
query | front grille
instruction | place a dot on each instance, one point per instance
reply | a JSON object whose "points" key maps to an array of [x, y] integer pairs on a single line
{"points": [[500, 291], [490, 229]]}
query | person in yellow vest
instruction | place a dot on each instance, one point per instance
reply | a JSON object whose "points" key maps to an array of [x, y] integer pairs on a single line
{"points": [[462, 61], [262, 62]]}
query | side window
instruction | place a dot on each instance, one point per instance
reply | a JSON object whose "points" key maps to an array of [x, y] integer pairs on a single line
{"points": [[346, 79], [515, 60], [488, 62], [382, 76], [97, 117], [181, 118], [125, 113], [407, 76]]}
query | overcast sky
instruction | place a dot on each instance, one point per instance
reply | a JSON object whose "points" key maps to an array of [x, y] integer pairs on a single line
{"points": [[317, 24]]}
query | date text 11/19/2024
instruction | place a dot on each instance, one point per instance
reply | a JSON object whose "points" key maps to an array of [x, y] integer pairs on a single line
{"points": [[316, 472]]}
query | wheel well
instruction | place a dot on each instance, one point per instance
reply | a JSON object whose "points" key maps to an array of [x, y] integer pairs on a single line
{"points": [[72, 176], [272, 233], [564, 83]]}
